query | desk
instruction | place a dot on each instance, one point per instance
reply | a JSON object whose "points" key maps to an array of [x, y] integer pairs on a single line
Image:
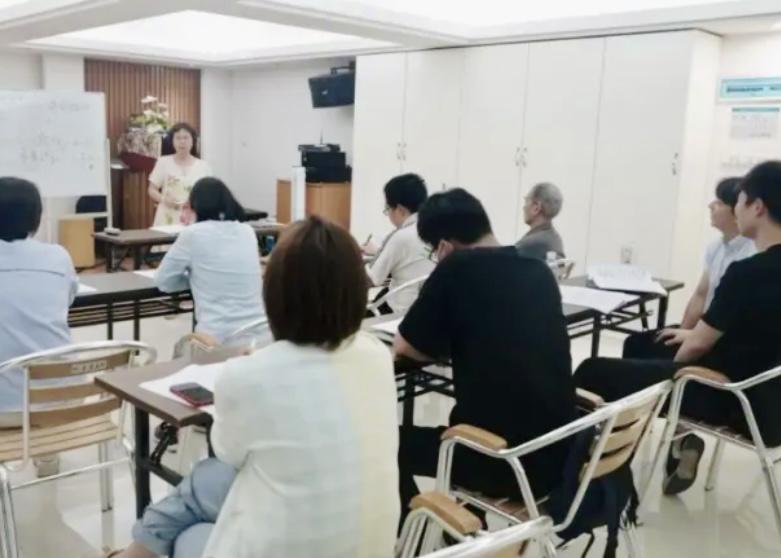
{"points": [[121, 297], [138, 240]]}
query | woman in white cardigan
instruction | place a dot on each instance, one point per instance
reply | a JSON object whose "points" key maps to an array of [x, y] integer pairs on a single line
{"points": [[305, 429]]}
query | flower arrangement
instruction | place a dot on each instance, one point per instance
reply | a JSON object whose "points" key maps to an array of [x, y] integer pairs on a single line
{"points": [[154, 118]]}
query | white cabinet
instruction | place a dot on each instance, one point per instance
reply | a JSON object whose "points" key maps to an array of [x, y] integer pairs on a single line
{"points": [[562, 110], [492, 124], [432, 103], [642, 129], [379, 115], [406, 120]]}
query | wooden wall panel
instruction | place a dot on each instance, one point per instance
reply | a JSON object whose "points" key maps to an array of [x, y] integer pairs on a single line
{"points": [[124, 85]]}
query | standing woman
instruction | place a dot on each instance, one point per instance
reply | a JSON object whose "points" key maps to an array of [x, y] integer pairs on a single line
{"points": [[173, 177]]}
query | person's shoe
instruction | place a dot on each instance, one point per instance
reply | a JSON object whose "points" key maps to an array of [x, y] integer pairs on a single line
{"points": [[47, 466], [683, 462]]}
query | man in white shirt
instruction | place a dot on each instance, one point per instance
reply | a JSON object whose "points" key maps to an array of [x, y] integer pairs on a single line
{"points": [[731, 247], [403, 256]]}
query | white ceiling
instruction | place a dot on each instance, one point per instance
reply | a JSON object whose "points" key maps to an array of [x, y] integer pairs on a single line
{"points": [[241, 32]]}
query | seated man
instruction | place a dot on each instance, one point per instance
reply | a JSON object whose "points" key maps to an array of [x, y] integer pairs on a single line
{"points": [[402, 256], [737, 337], [731, 247], [497, 317], [37, 286], [542, 205]]}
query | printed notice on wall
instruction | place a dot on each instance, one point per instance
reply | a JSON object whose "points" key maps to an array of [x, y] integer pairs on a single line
{"points": [[749, 123]]}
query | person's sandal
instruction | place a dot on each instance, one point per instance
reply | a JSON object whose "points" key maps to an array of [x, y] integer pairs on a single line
{"points": [[682, 464]]}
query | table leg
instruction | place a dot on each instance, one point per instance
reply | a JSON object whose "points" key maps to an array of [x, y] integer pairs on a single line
{"points": [[661, 320], [136, 257], [141, 458], [110, 321], [136, 320], [644, 316], [109, 254], [595, 335]]}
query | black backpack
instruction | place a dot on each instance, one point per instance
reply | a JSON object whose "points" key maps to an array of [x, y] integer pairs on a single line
{"points": [[604, 503]]}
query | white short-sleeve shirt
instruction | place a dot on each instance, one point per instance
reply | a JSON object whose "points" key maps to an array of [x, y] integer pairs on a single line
{"points": [[176, 181], [718, 257], [403, 257]]}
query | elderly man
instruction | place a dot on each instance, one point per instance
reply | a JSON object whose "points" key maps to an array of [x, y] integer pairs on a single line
{"points": [[542, 205]]}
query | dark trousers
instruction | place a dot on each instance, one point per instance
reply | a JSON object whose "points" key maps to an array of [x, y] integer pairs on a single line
{"points": [[644, 346], [613, 379], [418, 455]]}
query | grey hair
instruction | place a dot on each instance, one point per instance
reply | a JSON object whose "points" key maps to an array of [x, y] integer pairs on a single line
{"points": [[549, 197]]}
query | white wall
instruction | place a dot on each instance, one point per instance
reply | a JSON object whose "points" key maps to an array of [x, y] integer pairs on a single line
{"points": [[20, 71], [217, 121], [272, 114]]}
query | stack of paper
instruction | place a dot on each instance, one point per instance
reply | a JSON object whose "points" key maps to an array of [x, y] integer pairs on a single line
{"points": [[622, 277], [168, 229], [148, 273], [85, 289], [601, 301], [204, 375]]}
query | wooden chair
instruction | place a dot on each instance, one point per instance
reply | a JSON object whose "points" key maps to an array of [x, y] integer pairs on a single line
{"points": [[464, 527], [678, 426], [620, 427], [64, 410], [374, 307]]}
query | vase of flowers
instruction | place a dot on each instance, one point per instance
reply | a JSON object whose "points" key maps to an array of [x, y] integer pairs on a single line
{"points": [[141, 143]]}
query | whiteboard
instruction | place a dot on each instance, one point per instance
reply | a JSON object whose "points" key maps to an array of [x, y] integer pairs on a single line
{"points": [[56, 140]]}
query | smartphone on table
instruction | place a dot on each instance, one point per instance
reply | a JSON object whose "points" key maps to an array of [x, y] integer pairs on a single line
{"points": [[195, 394]]}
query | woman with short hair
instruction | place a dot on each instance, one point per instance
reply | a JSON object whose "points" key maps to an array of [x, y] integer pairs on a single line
{"points": [[305, 429]]}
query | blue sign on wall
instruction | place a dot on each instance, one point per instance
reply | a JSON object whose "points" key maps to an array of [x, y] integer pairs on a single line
{"points": [[750, 88]]}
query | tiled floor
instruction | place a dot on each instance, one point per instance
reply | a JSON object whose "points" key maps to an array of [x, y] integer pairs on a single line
{"points": [[62, 519]]}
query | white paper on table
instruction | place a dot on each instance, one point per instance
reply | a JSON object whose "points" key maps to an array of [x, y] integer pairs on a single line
{"points": [[204, 375], [148, 273], [85, 289], [599, 300], [390, 327], [168, 229], [623, 277]]}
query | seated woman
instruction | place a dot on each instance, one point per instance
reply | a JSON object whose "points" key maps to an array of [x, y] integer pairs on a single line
{"points": [[217, 258], [305, 429]]}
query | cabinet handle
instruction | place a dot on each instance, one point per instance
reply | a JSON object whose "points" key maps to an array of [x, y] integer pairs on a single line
{"points": [[398, 151], [523, 157], [676, 161], [404, 151], [517, 157]]}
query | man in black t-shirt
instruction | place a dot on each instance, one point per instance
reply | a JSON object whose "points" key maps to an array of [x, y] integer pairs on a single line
{"points": [[738, 337], [497, 317]]}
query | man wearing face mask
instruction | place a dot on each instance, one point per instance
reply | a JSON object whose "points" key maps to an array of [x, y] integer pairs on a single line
{"points": [[496, 316], [402, 257]]}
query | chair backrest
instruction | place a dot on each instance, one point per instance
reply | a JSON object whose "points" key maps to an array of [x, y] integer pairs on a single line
{"points": [[374, 306], [562, 268], [249, 331], [504, 543], [59, 385]]}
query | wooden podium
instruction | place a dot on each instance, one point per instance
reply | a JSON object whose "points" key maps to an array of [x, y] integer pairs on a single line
{"points": [[330, 200]]}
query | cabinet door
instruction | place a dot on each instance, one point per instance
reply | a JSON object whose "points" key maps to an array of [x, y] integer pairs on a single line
{"points": [[494, 86], [432, 103], [379, 113], [562, 106], [641, 123]]}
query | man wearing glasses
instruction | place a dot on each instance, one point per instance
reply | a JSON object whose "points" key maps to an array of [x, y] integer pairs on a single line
{"points": [[402, 257], [496, 316]]}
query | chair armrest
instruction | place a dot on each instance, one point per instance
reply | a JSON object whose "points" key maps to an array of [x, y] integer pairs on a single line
{"points": [[587, 399], [476, 435], [448, 511]]}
